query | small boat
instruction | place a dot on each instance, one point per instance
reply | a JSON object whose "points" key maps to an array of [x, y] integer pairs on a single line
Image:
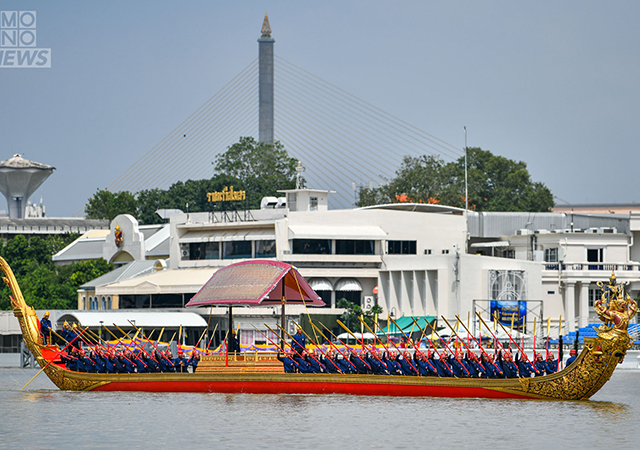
{"points": [[270, 282]]}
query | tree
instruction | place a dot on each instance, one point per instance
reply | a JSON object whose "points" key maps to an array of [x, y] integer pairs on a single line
{"points": [[352, 316], [262, 168], [45, 285], [495, 183], [107, 205]]}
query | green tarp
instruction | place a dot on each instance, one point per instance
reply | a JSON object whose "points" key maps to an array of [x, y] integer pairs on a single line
{"points": [[407, 326]]}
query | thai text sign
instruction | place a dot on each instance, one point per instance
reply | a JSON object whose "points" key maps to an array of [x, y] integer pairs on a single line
{"points": [[227, 195], [507, 310]]}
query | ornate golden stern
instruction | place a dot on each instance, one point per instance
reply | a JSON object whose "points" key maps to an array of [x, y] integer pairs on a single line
{"points": [[599, 357], [29, 324]]}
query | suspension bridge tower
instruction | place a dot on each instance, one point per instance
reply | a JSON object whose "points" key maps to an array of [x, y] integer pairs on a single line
{"points": [[265, 61]]}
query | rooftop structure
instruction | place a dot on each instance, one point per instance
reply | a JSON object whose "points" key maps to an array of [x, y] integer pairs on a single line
{"points": [[265, 82], [19, 178]]}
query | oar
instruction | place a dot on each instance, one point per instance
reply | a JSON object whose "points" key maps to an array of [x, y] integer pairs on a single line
{"points": [[212, 335], [482, 349], [47, 365], [460, 339], [34, 377], [409, 361], [346, 347], [354, 336], [455, 356], [291, 337], [329, 341]]}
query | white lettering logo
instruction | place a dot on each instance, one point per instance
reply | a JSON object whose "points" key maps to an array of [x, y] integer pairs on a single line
{"points": [[18, 42]]}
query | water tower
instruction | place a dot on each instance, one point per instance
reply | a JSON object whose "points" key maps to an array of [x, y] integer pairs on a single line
{"points": [[19, 178]]}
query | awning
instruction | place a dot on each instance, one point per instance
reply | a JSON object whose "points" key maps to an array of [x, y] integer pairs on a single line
{"points": [[348, 284], [329, 232], [256, 282], [345, 336], [491, 244], [407, 326], [320, 284], [146, 319]]}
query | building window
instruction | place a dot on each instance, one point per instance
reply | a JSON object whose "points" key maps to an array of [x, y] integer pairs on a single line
{"points": [[551, 254], [236, 249], [200, 250], [292, 199], [510, 253], [104, 302], [402, 248], [311, 246], [313, 203], [109, 302], [94, 302], [595, 255], [354, 247], [266, 249], [10, 343], [84, 302], [445, 251], [350, 296]]}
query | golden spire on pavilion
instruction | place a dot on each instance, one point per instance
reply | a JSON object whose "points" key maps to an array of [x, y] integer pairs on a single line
{"points": [[266, 28]]}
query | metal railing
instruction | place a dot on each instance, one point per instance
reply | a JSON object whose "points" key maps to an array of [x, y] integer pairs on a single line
{"points": [[581, 266]]}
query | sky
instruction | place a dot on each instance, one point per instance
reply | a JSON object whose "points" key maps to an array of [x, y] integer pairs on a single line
{"points": [[553, 84]]}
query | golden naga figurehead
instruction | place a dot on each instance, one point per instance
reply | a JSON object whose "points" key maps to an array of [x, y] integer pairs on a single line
{"points": [[615, 308]]}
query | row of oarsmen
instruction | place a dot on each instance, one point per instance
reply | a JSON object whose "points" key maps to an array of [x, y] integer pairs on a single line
{"points": [[459, 365], [126, 361]]}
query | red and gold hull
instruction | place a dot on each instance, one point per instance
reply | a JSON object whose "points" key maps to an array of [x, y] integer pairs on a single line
{"points": [[262, 373]]}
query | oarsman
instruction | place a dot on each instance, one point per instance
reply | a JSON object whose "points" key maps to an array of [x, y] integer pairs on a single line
{"points": [[573, 355], [234, 343], [303, 364], [405, 364], [509, 368], [99, 360], [88, 362], [73, 339], [493, 368], [458, 367], [298, 342], [126, 362], [314, 363], [551, 365], [194, 359], [139, 361], [432, 364], [344, 364], [540, 365], [45, 328], [525, 367], [444, 363], [290, 366], [479, 370], [180, 362], [330, 363], [393, 366], [378, 366], [359, 364]]}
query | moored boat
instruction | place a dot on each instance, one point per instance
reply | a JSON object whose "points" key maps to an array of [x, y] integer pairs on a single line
{"points": [[261, 372]]}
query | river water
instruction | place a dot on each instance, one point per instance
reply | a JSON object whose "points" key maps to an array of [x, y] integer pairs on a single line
{"points": [[41, 416]]}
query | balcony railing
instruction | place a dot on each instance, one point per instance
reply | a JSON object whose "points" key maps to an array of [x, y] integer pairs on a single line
{"points": [[587, 266]]}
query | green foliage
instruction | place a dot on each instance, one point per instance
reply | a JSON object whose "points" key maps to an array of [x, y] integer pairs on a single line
{"points": [[106, 205], [262, 168], [257, 168], [43, 284], [495, 183], [351, 317]]}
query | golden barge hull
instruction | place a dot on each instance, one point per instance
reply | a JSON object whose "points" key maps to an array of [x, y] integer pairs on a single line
{"points": [[581, 380]]}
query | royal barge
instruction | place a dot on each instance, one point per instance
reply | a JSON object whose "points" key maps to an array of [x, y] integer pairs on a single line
{"points": [[270, 282]]}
